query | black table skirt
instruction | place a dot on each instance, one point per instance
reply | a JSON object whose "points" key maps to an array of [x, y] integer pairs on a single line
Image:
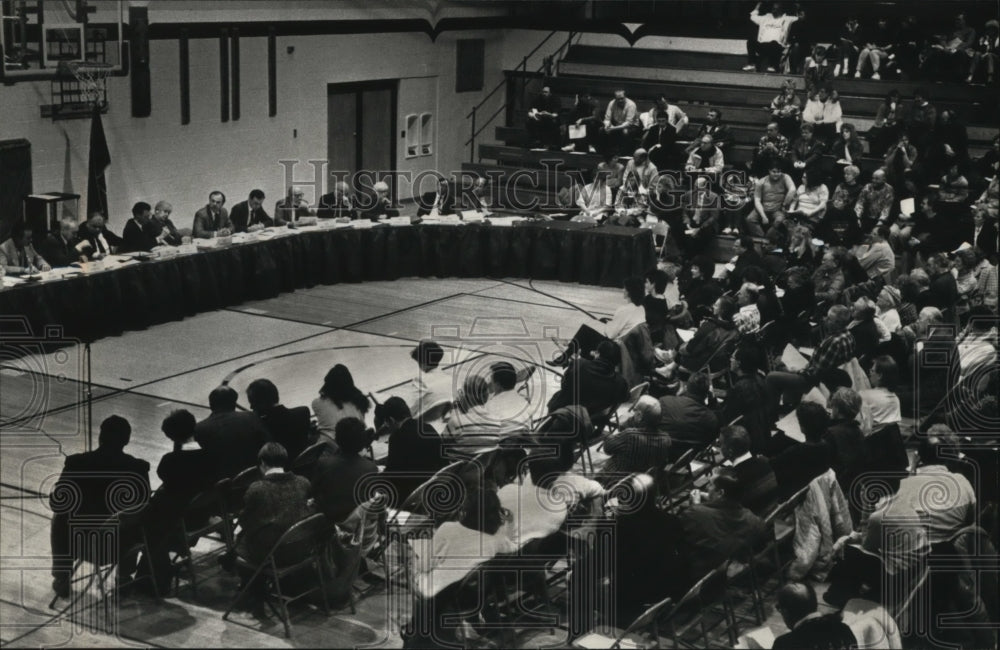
{"points": [[137, 296]]}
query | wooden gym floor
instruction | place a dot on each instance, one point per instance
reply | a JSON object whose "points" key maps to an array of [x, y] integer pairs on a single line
{"points": [[293, 340]]}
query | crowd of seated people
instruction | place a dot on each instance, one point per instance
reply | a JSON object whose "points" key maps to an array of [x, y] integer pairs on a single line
{"points": [[861, 275]]}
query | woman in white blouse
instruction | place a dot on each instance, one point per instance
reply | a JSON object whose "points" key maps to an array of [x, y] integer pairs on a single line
{"points": [[338, 398], [810, 198]]}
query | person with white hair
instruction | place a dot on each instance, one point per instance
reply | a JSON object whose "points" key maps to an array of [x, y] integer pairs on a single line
{"points": [[292, 206], [706, 157], [337, 203], [640, 444], [381, 204]]}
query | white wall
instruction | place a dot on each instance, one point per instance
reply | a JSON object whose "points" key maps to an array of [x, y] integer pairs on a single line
{"points": [[157, 158]]}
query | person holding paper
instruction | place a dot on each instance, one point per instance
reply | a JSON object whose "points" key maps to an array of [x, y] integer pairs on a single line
{"points": [[834, 351], [163, 229], [439, 202], [249, 215], [18, 256], [60, 248], [585, 124], [99, 240]]}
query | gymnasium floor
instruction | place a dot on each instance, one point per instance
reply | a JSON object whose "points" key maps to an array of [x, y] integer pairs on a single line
{"points": [[293, 340]]}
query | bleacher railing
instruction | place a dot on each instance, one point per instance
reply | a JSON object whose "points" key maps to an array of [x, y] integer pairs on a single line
{"points": [[547, 67]]}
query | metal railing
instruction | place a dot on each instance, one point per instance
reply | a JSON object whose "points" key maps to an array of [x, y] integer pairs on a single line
{"points": [[548, 67]]}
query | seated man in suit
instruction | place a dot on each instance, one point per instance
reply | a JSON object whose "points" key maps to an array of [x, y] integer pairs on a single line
{"points": [[337, 476], [163, 229], [213, 219], [593, 384], [478, 199], [99, 240], [61, 248], [288, 426], [441, 200], [414, 447], [18, 256], [82, 494], [293, 206], [809, 629], [381, 204], [758, 486], [686, 418], [337, 203], [234, 438], [136, 236], [250, 216]]}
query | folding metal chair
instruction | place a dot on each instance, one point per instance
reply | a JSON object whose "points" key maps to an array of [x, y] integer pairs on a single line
{"points": [[305, 539], [217, 529]]}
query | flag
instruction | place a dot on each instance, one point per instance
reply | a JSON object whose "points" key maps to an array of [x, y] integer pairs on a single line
{"points": [[100, 158]]}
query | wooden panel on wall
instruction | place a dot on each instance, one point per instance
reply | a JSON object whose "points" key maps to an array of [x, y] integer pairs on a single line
{"points": [[470, 64], [185, 78], [224, 75], [235, 67], [15, 170]]}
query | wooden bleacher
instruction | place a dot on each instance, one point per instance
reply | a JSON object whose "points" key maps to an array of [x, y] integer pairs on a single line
{"points": [[697, 82]]}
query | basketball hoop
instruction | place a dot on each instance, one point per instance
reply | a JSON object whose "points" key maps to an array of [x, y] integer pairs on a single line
{"points": [[92, 77]]}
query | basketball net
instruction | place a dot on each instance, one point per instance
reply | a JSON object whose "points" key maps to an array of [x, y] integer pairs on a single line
{"points": [[92, 77]]}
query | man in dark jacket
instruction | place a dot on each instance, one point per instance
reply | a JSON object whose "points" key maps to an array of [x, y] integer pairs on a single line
{"points": [[288, 426], [337, 476], [758, 485], [592, 383], [686, 419], [136, 236], [233, 437], [848, 455], [83, 494], [798, 464], [712, 344], [249, 215], [414, 447], [60, 248], [717, 529], [810, 629]]}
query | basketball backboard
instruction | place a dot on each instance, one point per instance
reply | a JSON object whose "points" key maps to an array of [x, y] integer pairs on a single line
{"points": [[36, 36]]}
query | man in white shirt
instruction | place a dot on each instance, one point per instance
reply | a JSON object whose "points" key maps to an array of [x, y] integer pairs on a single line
{"points": [[595, 198], [772, 34], [944, 500], [876, 257], [506, 406], [621, 123], [431, 385]]}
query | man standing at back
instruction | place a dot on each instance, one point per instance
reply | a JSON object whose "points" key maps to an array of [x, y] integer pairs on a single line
{"points": [[233, 437], [772, 33]]}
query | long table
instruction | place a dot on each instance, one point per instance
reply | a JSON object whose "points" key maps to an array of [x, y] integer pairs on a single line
{"points": [[94, 305]]}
